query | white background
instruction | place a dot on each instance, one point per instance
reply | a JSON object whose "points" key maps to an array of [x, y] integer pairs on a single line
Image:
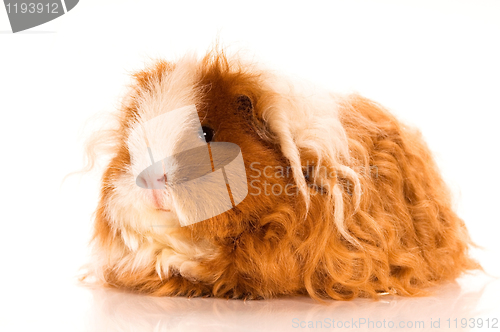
{"points": [[435, 64]]}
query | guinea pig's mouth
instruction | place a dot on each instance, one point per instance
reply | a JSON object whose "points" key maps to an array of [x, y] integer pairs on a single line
{"points": [[165, 210]]}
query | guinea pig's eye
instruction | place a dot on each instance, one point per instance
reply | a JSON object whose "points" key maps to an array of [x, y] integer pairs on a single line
{"points": [[208, 133]]}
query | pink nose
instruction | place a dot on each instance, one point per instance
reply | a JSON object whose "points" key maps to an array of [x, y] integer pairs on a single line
{"points": [[153, 178]]}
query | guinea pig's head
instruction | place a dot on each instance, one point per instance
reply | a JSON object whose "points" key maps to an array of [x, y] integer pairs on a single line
{"points": [[176, 121]]}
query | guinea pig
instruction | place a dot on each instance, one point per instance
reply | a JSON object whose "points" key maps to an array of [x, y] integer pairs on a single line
{"points": [[330, 196]]}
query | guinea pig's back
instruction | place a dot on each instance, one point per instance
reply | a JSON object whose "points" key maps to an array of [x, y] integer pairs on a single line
{"points": [[404, 200]]}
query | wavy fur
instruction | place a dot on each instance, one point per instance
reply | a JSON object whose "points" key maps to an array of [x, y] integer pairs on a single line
{"points": [[368, 213]]}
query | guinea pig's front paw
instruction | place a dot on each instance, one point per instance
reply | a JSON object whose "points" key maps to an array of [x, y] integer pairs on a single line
{"points": [[170, 263]]}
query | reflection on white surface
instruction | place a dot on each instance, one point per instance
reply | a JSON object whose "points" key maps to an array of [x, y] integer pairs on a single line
{"points": [[470, 298]]}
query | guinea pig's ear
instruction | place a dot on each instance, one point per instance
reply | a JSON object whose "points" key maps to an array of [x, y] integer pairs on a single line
{"points": [[244, 105]]}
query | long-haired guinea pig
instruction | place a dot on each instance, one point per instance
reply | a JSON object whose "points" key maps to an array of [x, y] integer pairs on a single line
{"points": [[231, 181]]}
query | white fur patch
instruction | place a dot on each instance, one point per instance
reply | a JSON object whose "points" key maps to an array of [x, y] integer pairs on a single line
{"points": [[306, 118], [149, 234]]}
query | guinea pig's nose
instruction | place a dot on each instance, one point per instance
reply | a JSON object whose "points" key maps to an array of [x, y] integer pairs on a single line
{"points": [[153, 177]]}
